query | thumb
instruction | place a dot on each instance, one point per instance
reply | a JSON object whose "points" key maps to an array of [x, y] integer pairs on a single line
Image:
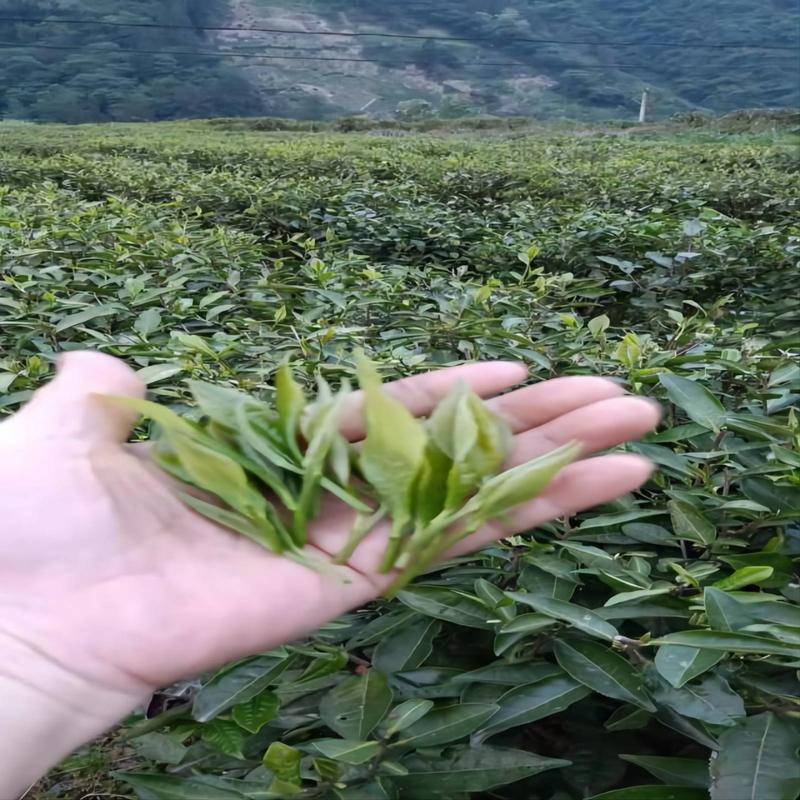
{"points": [[71, 404]]}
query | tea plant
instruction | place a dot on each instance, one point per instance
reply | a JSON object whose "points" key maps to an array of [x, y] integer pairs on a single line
{"points": [[647, 649]]}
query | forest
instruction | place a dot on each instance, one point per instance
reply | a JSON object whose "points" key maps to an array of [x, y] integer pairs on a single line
{"points": [[581, 60]]}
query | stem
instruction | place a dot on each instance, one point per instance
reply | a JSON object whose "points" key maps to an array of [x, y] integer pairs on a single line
{"points": [[392, 553], [421, 538], [363, 527], [148, 725], [427, 555], [312, 562]]}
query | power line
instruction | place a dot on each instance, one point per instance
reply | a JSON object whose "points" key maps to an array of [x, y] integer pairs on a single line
{"points": [[424, 37], [258, 56]]}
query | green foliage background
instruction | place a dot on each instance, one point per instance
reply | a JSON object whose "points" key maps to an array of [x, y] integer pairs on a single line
{"points": [[100, 81], [648, 649]]}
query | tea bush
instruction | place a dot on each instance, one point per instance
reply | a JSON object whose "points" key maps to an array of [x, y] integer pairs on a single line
{"points": [[648, 649]]}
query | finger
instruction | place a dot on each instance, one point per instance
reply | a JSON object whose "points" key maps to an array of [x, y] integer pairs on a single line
{"points": [[597, 426], [69, 406], [536, 405], [421, 393], [581, 485]]}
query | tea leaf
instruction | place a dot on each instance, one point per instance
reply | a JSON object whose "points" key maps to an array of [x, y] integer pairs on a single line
{"points": [[692, 397], [447, 724], [392, 454], [520, 484], [254, 714], [526, 704], [674, 771], [406, 714], [757, 759], [680, 664], [710, 700], [350, 751], [237, 685], [654, 793], [472, 769], [599, 668], [408, 648], [218, 474], [284, 763], [226, 736], [442, 603], [261, 532], [290, 402], [476, 442], [355, 707], [583, 619], [324, 431], [728, 641], [689, 523]]}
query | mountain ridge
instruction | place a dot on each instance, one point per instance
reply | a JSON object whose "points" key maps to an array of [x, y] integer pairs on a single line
{"points": [[71, 72]]}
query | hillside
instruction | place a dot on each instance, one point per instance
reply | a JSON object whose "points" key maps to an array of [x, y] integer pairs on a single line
{"points": [[81, 71]]}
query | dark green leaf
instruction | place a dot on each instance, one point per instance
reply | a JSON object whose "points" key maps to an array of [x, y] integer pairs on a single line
{"points": [[87, 315], [447, 604], [406, 714], [350, 751], [602, 670], [758, 760], [375, 790], [578, 616], [159, 747], [654, 793], [447, 724], [237, 685], [526, 704], [504, 674], [692, 397], [169, 787], [690, 523], [679, 664], [407, 648], [380, 627], [528, 623], [710, 700], [627, 718], [471, 769], [727, 641], [674, 771], [355, 707]]}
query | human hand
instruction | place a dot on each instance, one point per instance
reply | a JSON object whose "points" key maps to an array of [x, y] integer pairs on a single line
{"points": [[110, 587]]}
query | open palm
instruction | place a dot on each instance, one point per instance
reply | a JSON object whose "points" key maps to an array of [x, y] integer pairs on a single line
{"points": [[103, 570]]}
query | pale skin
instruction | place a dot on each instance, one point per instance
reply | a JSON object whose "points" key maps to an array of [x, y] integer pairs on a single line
{"points": [[111, 588]]}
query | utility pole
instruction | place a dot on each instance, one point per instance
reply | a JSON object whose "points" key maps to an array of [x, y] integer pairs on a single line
{"points": [[643, 107]]}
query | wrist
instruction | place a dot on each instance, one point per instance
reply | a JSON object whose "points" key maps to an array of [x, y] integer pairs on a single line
{"points": [[47, 711]]}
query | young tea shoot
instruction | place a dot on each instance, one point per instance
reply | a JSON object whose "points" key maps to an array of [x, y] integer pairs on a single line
{"points": [[432, 481]]}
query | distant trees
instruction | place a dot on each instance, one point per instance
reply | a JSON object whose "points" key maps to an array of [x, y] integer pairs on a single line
{"points": [[455, 106], [116, 73], [97, 78], [414, 110]]}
